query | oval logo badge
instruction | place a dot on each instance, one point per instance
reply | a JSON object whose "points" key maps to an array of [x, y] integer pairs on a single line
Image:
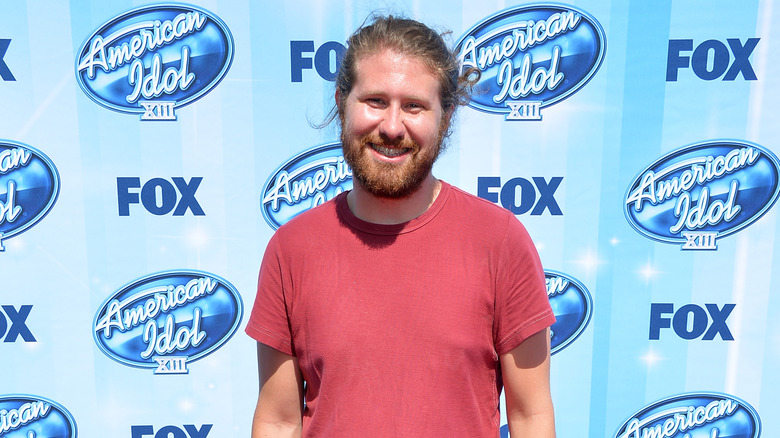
{"points": [[155, 59], [694, 415], [167, 320], [29, 186], [31, 416], [531, 57], [305, 181], [572, 306], [702, 192]]}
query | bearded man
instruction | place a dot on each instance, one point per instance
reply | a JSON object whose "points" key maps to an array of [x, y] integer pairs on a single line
{"points": [[405, 305]]}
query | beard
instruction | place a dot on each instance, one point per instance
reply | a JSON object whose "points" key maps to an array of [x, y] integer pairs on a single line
{"points": [[389, 180]]}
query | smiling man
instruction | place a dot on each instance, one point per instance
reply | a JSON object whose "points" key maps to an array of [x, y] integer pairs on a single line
{"points": [[406, 305]]}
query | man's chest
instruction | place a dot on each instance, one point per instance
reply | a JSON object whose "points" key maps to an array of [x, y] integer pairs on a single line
{"points": [[382, 306]]}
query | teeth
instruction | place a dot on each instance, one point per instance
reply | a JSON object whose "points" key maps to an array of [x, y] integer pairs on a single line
{"points": [[389, 152]]}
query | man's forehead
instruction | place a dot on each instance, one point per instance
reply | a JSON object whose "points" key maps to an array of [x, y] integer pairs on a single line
{"points": [[395, 61], [398, 57]]}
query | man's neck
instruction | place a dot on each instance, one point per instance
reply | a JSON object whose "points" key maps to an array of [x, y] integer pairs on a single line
{"points": [[389, 211]]}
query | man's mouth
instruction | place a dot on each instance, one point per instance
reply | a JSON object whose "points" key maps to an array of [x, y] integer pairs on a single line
{"points": [[389, 152]]}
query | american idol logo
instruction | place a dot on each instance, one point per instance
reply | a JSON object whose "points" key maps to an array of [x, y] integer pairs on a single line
{"points": [[167, 320], [27, 416], [702, 192], [305, 181], [154, 59], [693, 415], [29, 186], [531, 57], [572, 305]]}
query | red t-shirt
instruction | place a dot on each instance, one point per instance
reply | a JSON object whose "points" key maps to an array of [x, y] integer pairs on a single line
{"points": [[397, 328]]}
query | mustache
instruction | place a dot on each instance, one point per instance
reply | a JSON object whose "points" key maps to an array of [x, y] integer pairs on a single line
{"points": [[402, 143]]}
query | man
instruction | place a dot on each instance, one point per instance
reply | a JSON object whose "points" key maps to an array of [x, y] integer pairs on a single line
{"points": [[405, 304]]}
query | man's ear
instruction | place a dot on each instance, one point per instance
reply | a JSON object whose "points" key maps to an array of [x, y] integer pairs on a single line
{"points": [[337, 96]]}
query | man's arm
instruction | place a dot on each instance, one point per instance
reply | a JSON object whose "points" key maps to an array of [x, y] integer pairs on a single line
{"points": [[526, 374], [280, 401]]}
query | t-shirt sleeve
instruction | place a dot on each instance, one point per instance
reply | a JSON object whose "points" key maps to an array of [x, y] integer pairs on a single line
{"points": [[269, 321], [522, 305]]}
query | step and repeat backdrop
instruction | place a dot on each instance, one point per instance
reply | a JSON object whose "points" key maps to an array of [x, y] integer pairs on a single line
{"points": [[148, 151]]}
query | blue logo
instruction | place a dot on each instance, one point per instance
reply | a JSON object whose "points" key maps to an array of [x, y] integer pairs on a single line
{"points": [[18, 320], [702, 192], [694, 415], [168, 319], [708, 67], [305, 181], [572, 306], [30, 417], [531, 57], [691, 321], [189, 431], [5, 72], [322, 59], [508, 194], [154, 59], [180, 194], [29, 186]]}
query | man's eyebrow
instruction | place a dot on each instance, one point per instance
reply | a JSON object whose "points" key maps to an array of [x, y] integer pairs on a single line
{"points": [[410, 96]]}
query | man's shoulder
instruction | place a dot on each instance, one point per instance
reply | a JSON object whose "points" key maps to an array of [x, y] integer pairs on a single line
{"points": [[312, 220], [468, 203], [479, 217]]}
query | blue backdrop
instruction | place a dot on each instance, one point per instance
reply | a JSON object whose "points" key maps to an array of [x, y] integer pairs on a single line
{"points": [[149, 150]]}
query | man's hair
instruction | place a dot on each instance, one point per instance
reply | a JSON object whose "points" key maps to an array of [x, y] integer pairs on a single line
{"points": [[412, 38]]}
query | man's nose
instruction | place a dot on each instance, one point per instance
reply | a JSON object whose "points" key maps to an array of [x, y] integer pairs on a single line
{"points": [[392, 125]]}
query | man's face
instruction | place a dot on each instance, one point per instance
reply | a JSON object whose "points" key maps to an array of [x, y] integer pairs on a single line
{"points": [[392, 124]]}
